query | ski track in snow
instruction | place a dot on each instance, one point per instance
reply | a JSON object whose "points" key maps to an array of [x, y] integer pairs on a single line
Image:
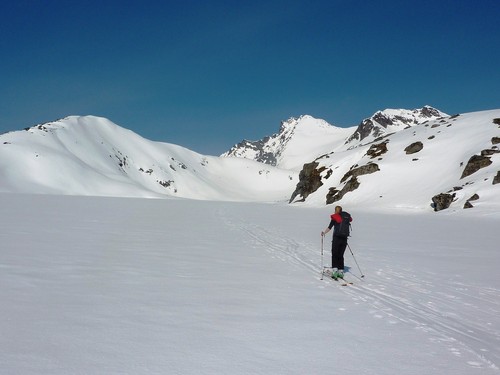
{"points": [[446, 310]]}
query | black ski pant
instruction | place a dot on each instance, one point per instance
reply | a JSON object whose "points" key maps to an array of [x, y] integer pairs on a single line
{"points": [[338, 248]]}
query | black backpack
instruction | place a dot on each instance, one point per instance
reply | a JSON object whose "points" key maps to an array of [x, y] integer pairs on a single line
{"points": [[344, 227]]}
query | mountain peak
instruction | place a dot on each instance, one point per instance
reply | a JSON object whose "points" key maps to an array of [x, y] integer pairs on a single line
{"points": [[298, 140], [391, 120]]}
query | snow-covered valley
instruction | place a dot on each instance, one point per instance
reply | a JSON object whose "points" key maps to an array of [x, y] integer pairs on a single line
{"points": [[94, 285], [215, 273]]}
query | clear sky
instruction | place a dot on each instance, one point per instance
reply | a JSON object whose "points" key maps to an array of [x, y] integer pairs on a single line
{"points": [[207, 74]]}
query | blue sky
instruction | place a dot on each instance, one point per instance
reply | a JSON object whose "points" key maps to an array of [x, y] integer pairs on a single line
{"points": [[207, 74]]}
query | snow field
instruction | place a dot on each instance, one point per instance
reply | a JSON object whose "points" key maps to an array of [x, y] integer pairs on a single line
{"points": [[149, 286]]}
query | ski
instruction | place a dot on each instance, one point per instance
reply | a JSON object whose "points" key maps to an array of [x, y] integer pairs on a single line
{"points": [[346, 281], [329, 275], [340, 281], [343, 281]]}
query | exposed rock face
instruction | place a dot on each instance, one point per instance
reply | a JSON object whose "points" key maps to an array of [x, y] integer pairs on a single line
{"points": [[496, 179], [475, 163], [489, 152], [258, 148], [378, 124], [335, 195], [330, 197], [495, 140], [359, 171], [414, 148], [442, 201], [468, 204], [377, 150], [429, 112], [309, 181], [352, 184]]}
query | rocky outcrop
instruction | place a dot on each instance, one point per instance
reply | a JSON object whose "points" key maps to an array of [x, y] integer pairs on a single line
{"points": [[309, 181], [335, 195], [352, 183], [359, 171], [475, 163], [378, 124], [377, 150], [414, 148], [256, 148], [489, 152], [468, 204], [330, 197], [496, 179], [442, 201]]}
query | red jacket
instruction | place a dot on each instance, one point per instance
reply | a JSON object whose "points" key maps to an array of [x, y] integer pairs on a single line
{"points": [[337, 218]]}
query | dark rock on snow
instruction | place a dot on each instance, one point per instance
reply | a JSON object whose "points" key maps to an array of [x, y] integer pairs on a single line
{"points": [[475, 163], [359, 171], [414, 148], [309, 181], [377, 150], [442, 201], [496, 179], [351, 185], [468, 204]]}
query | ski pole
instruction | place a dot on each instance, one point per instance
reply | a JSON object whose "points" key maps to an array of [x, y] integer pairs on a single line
{"points": [[322, 268], [362, 275]]}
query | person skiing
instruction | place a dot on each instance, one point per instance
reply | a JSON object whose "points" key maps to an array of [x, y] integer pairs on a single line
{"points": [[340, 221]]}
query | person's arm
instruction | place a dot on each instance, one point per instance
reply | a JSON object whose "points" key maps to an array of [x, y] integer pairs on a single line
{"points": [[328, 229]]}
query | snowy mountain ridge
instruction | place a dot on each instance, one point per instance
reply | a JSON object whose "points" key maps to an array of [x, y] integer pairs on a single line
{"points": [[411, 160], [397, 158], [392, 120], [298, 139], [88, 155], [307, 138]]}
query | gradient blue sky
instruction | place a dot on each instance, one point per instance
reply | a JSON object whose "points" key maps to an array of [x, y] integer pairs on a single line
{"points": [[207, 74]]}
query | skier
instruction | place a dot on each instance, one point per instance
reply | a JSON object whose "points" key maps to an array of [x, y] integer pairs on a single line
{"points": [[340, 221]]}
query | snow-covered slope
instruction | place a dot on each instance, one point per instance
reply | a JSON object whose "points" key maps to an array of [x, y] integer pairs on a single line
{"points": [[457, 156], [396, 158], [92, 156], [298, 141]]}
